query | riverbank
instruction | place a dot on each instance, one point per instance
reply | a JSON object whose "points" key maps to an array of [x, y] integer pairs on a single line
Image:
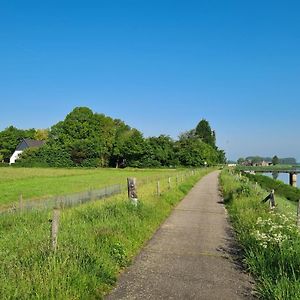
{"points": [[269, 239]]}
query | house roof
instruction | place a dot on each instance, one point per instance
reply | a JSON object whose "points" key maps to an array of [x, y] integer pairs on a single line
{"points": [[34, 143], [29, 143]]}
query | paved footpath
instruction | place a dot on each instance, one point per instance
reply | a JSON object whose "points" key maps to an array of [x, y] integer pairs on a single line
{"points": [[189, 256]]}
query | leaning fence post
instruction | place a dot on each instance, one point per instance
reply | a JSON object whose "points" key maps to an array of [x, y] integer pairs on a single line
{"points": [[54, 228], [158, 188], [132, 194], [298, 214], [271, 198]]}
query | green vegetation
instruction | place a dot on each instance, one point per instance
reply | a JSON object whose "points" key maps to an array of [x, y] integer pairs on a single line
{"points": [[88, 139], [270, 239], [37, 183], [277, 168], [275, 160], [95, 242], [289, 192], [10, 138]]}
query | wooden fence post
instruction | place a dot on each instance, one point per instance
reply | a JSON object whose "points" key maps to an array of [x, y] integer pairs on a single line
{"points": [[169, 182], [158, 188], [21, 202], [132, 193], [54, 228]]}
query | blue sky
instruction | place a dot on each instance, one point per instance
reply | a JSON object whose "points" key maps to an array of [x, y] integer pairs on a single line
{"points": [[161, 66]]}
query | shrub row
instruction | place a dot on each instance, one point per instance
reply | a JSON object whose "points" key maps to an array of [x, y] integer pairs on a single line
{"points": [[289, 192]]}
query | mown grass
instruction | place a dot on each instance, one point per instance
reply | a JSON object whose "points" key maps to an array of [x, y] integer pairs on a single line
{"points": [[269, 238], [37, 183], [95, 242]]}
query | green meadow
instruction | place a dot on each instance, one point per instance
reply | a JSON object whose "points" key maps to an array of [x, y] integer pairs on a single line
{"points": [[38, 183], [96, 240]]}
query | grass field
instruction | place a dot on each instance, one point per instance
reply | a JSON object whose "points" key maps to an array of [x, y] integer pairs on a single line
{"points": [[95, 241], [36, 183]]}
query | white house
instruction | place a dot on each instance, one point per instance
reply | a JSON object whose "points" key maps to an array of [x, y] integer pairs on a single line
{"points": [[24, 144]]}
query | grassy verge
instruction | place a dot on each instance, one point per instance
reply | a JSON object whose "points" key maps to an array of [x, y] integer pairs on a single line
{"points": [[95, 242], [270, 239]]}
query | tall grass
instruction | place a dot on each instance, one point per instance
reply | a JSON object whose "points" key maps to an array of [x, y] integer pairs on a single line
{"points": [[270, 238], [95, 242]]}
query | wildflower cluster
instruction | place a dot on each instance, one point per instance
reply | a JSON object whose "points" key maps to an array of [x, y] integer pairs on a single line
{"points": [[274, 231]]}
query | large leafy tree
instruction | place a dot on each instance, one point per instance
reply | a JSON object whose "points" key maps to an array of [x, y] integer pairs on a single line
{"points": [[133, 148], [86, 136], [41, 134], [204, 131], [194, 152], [275, 160], [160, 152], [122, 135]]}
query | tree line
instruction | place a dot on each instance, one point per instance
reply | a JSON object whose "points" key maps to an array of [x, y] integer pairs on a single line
{"points": [[275, 160], [89, 139]]}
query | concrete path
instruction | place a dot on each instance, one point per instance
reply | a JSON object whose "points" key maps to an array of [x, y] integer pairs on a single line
{"points": [[189, 257]]}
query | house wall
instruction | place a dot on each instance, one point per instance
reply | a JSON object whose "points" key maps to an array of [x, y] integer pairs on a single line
{"points": [[15, 156]]}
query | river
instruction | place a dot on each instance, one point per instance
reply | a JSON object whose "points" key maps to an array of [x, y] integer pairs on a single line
{"points": [[281, 176]]}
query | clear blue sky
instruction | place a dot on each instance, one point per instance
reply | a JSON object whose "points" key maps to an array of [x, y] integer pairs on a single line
{"points": [[159, 65]]}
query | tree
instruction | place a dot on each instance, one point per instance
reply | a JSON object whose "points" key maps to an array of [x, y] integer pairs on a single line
{"points": [[41, 134], [133, 148], [203, 131], [10, 138], [87, 137], [240, 160], [159, 152], [194, 152], [275, 160]]}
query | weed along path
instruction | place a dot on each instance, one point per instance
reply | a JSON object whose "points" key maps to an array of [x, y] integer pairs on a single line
{"points": [[188, 257]]}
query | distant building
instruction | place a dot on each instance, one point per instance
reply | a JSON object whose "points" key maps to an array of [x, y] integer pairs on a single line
{"points": [[25, 144], [231, 165], [262, 164]]}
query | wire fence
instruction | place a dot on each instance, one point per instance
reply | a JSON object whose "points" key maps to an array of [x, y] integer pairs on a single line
{"points": [[70, 200]]}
